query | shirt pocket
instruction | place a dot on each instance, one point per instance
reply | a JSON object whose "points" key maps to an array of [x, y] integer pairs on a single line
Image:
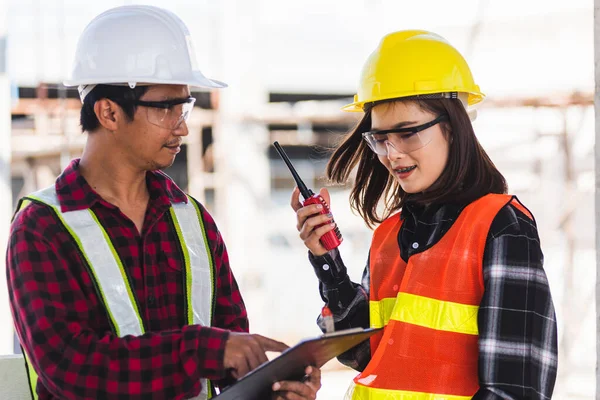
{"points": [[172, 261], [169, 290]]}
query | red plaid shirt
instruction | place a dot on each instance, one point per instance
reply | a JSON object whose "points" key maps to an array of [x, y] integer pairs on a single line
{"points": [[64, 327]]}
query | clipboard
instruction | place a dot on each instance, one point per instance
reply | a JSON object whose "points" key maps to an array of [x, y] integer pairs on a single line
{"points": [[290, 364]]}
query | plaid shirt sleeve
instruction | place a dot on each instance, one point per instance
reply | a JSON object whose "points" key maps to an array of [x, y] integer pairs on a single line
{"points": [[517, 325], [348, 302], [51, 312], [230, 310]]}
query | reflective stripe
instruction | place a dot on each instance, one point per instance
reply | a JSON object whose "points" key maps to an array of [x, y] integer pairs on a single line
{"points": [[24, 204], [104, 263], [198, 269], [32, 375], [424, 311], [380, 312], [360, 392], [436, 314], [198, 262]]}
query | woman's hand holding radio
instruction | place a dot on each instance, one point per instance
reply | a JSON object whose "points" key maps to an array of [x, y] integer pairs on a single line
{"points": [[311, 224]]}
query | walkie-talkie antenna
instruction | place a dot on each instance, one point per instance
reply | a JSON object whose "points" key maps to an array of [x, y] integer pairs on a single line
{"points": [[306, 192]]}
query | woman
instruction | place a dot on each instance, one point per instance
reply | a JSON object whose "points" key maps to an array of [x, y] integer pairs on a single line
{"points": [[455, 270]]}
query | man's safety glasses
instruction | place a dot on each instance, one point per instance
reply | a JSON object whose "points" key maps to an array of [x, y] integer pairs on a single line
{"points": [[168, 114], [403, 140]]}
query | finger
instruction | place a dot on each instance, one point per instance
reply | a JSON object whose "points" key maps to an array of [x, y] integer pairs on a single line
{"points": [[325, 194], [294, 387], [314, 378], [320, 231], [309, 210], [242, 367], [313, 242], [251, 356], [295, 200], [270, 344], [311, 223], [303, 213], [259, 354]]}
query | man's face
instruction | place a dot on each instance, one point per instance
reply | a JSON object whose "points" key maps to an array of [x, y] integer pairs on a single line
{"points": [[149, 141]]}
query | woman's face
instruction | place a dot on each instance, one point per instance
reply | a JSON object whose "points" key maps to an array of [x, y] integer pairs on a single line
{"points": [[416, 170]]}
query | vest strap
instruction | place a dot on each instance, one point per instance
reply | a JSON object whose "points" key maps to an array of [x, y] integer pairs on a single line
{"points": [[198, 262], [199, 279], [104, 263]]}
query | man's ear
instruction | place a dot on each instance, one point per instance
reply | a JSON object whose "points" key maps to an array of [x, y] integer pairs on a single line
{"points": [[108, 114]]}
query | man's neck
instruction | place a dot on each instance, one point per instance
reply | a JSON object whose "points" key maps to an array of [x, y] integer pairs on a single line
{"points": [[114, 180]]}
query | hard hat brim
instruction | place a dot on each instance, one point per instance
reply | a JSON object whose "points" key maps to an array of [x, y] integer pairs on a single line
{"points": [[197, 80], [474, 98]]}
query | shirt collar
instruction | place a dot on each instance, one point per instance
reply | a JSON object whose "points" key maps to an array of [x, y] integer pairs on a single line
{"points": [[420, 212], [74, 193]]}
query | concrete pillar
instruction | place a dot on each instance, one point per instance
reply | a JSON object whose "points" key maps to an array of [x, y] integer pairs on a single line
{"points": [[242, 178], [597, 173], [6, 327]]}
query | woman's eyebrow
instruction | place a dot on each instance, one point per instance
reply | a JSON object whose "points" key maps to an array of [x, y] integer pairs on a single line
{"points": [[403, 124]]}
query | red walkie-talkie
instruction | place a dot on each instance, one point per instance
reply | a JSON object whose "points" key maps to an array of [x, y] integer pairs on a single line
{"points": [[331, 239]]}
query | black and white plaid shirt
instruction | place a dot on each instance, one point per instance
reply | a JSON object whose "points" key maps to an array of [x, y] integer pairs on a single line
{"points": [[518, 352]]}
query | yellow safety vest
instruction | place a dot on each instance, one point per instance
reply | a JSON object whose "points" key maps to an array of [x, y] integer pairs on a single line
{"points": [[109, 275]]}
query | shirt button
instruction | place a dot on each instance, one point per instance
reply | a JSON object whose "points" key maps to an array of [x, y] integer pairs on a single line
{"points": [[415, 245], [325, 267], [151, 300]]}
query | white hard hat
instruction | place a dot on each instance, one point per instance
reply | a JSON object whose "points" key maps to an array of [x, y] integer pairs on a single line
{"points": [[136, 45]]}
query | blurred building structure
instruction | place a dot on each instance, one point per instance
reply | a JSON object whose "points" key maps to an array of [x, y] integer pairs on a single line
{"points": [[290, 67]]}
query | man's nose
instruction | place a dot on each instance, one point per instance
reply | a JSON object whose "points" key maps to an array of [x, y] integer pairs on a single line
{"points": [[181, 129]]}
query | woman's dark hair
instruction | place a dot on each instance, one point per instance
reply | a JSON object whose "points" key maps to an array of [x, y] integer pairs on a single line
{"points": [[468, 175], [124, 96]]}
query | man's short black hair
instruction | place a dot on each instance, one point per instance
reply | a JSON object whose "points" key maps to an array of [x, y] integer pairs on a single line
{"points": [[124, 96]]}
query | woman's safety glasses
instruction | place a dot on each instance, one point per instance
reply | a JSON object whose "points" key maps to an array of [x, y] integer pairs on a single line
{"points": [[403, 140], [168, 114]]}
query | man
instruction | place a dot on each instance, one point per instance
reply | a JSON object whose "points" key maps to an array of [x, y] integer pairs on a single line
{"points": [[119, 283]]}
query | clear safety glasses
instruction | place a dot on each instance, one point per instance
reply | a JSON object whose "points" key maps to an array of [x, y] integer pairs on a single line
{"points": [[403, 140], [168, 114]]}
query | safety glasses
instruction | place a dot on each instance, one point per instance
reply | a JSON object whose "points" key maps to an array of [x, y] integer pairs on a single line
{"points": [[403, 140], [168, 114]]}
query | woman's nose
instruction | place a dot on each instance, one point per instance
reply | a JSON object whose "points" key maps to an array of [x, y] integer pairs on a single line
{"points": [[392, 152]]}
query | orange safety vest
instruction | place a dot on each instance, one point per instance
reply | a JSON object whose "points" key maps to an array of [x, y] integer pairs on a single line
{"points": [[428, 306]]}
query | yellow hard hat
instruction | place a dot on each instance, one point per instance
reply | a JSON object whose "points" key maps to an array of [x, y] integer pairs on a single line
{"points": [[414, 63]]}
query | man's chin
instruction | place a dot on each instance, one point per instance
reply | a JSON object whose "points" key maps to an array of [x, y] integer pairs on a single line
{"points": [[156, 165]]}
